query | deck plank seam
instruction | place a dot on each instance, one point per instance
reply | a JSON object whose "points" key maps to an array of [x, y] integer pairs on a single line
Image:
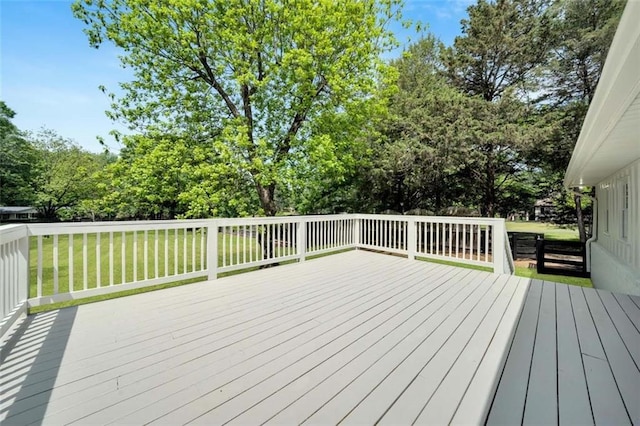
{"points": [[388, 375], [617, 331], [387, 352], [615, 379], [504, 287], [617, 297], [535, 334], [417, 284], [382, 284], [356, 356], [555, 312], [584, 371]]}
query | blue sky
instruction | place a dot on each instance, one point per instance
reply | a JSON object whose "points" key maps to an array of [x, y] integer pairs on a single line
{"points": [[50, 76]]}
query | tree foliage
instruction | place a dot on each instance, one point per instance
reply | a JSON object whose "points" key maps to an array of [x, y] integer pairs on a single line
{"points": [[166, 176], [495, 62], [66, 176], [19, 163], [418, 162], [247, 77], [582, 33]]}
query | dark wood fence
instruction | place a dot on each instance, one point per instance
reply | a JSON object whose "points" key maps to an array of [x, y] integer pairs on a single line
{"points": [[562, 258], [523, 244]]}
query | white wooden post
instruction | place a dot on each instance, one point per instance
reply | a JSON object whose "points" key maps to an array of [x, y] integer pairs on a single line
{"points": [[23, 267], [302, 240], [356, 232], [412, 236], [212, 250], [498, 247]]}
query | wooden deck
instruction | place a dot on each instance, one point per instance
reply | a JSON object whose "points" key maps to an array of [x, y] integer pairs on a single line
{"points": [[355, 338]]}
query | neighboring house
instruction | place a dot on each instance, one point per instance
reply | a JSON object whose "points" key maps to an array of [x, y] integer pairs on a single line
{"points": [[607, 156], [18, 213], [544, 210]]}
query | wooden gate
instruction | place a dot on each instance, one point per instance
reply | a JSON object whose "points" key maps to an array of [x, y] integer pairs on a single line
{"points": [[562, 258]]}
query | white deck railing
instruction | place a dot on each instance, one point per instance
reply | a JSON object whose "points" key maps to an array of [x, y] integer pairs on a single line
{"points": [[14, 274], [53, 262]]}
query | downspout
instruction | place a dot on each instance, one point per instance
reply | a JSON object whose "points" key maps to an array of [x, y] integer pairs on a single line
{"points": [[594, 228]]}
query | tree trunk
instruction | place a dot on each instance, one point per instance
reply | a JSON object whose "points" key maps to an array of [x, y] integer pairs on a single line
{"points": [[267, 201], [580, 217], [489, 206]]}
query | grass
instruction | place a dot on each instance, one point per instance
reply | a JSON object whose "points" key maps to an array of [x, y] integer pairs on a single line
{"points": [[131, 269], [550, 231], [458, 264], [181, 263], [522, 271], [194, 256]]}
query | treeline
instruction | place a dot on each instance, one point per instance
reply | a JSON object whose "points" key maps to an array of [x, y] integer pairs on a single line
{"points": [[291, 108], [47, 171]]}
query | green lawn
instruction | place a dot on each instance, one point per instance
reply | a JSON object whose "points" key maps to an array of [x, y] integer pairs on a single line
{"points": [[532, 273], [92, 264], [520, 271], [234, 245], [193, 257], [550, 231], [458, 264]]}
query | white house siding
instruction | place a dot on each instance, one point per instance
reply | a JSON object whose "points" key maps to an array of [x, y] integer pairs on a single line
{"points": [[615, 256]]}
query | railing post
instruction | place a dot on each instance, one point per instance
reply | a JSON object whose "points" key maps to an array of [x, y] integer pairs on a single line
{"points": [[212, 250], [23, 267], [412, 236], [498, 247], [302, 240], [356, 232]]}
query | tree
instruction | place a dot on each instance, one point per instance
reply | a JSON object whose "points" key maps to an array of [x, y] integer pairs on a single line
{"points": [[582, 33], [19, 164], [417, 163], [245, 76], [167, 176], [66, 176], [495, 62]]}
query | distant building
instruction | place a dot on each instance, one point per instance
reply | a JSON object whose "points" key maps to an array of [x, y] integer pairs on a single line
{"points": [[544, 210], [18, 213]]}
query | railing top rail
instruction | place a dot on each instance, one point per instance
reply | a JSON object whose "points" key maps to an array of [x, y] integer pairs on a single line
{"points": [[441, 219], [91, 227], [151, 225], [12, 232], [281, 219]]}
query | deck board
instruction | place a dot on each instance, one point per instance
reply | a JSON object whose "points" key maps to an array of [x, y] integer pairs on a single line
{"points": [[357, 337], [592, 334], [630, 309], [625, 372], [573, 395], [509, 402], [541, 402]]}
